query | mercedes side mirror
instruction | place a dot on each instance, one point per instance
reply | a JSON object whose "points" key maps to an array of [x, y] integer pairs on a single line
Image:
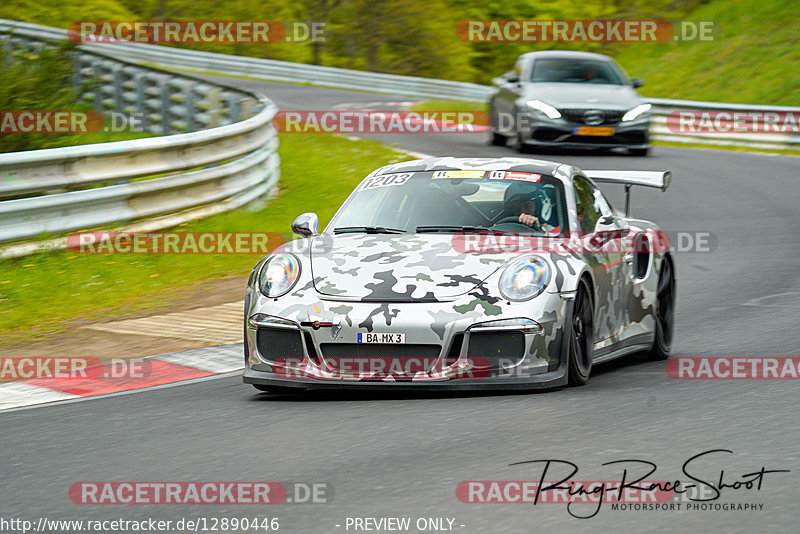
{"points": [[637, 82], [306, 225]]}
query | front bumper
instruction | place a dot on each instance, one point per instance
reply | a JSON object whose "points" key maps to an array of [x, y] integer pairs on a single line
{"points": [[315, 346], [545, 132]]}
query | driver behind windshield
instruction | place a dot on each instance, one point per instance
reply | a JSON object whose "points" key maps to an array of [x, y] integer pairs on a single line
{"points": [[519, 202]]}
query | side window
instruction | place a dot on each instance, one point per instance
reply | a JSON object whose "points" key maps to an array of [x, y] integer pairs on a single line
{"points": [[589, 208]]}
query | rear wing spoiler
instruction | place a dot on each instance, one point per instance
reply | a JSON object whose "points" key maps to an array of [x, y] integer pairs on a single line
{"points": [[657, 179]]}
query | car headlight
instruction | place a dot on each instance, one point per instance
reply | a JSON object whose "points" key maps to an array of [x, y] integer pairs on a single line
{"points": [[547, 109], [636, 112], [524, 278], [279, 274]]}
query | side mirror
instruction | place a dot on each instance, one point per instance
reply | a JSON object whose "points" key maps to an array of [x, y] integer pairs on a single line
{"points": [[637, 82], [512, 77], [606, 228], [306, 225]]}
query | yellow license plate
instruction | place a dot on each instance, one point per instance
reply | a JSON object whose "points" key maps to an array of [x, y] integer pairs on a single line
{"points": [[593, 130]]}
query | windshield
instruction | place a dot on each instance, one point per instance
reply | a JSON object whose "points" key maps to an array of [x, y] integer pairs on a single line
{"points": [[567, 70], [466, 200]]}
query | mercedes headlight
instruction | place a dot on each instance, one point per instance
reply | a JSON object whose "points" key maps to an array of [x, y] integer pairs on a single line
{"points": [[547, 109], [524, 278], [279, 274], [636, 112]]}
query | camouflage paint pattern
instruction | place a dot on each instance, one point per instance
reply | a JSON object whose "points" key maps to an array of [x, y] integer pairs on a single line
{"points": [[419, 285]]}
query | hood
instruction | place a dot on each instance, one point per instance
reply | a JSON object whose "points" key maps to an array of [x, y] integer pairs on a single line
{"points": [[398, 267], [584, 95]]}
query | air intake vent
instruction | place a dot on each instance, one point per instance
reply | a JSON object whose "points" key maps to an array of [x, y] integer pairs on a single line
{"points": [[279, 344], [497, 348]]}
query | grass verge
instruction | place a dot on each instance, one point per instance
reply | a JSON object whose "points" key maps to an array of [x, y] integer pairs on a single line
{"points": [[53, 291]]}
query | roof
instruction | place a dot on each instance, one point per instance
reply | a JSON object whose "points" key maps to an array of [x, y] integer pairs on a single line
{"points": [[573, 54], [491, 164]]}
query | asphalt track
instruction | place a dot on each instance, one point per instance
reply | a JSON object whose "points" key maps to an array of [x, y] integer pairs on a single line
{"points": [[402, 456]]}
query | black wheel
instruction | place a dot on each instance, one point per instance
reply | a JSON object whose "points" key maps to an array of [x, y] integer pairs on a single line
{"points": [[665, 312], [246, 351], [523, 148], [581, 336], [639, 151], [498, 139]]}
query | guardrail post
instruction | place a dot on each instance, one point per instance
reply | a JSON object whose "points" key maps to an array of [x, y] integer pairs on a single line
{"points": [[141, 101], [246, 108], [98, 89], [166, 123], [214, 106], [119, 89], [188, 106], [236, 114]]}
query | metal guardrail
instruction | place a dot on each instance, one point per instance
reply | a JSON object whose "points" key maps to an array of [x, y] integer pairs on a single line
{"points": [[418, 87], [194, 60], [663, 108], [234, 162], [231, 160]]}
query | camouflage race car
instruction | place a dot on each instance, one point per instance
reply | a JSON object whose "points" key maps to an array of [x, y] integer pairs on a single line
{"points": [[462, 273]]}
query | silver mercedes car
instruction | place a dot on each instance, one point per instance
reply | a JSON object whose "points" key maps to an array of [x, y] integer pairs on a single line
{"points": [[570, 100], [461, 273]]}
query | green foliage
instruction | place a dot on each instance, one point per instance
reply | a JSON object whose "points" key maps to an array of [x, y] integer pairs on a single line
{"points": [[401, 37], [35, 81], [753, 59], [60, 13], [317, 173]]}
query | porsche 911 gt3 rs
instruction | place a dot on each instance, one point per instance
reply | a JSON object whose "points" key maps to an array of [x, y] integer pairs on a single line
{"points": [[462, 273]]}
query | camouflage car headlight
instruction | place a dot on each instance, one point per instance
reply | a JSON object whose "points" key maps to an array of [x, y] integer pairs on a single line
{"points": [[524, 278], [279, 274]]}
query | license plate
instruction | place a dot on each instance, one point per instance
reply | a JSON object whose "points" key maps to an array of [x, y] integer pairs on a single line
{"points": [[593, 130], [392, 339]]}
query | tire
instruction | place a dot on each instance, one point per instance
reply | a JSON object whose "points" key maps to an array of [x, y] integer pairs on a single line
{"points": [[498, 139], [664, 312], [522, 148], [581, 336], [246, 351], [639, 151]]}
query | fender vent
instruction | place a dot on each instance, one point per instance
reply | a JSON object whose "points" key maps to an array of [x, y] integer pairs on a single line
{"points": [[642, 254]]}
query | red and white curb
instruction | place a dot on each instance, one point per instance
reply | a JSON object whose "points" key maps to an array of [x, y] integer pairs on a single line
{"points": [[101, 380]]}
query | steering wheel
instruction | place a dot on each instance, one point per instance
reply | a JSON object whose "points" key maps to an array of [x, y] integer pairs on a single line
{"points": [[514, 219]]}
